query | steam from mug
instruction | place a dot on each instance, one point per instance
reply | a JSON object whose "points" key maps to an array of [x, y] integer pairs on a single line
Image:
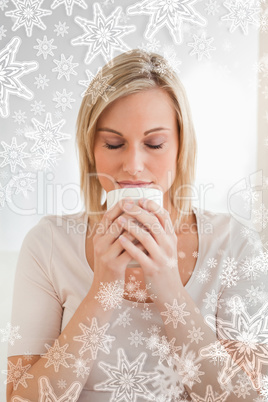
{"points": [[135, 193]]}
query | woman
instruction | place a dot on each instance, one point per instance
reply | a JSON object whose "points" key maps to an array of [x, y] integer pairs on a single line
{"points": [[185, 324]]}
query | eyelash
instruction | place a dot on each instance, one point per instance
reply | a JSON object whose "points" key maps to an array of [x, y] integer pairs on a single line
{"points": [[119, 146]]}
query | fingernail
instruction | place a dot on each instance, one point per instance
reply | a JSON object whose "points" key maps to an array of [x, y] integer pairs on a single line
{"points": [[121, 219]]}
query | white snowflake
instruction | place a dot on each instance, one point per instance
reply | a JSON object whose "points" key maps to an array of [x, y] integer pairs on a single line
{"points": [[61, 28], [13, 71], [169, 13], [97, 86], [241, 389], [56, 355], [261, 216], [195, 335], [10, 334], [81, 368], [44, 159], [152, 341], [124, 319], [212, 262], [37, 108], [212, 7], [62, 384], [19, 117], [175, 313], [3, 4], [22, 183], [63, 100], [47, 394], [188, 369], [170, 55], [2, 32], [65, 67], [153, 45], [264, 386], [47, 136], [45, 47], [168, 386], [241, 14], [110, 294], [213, 300], [127, 381], [102, 35], [58, 114], [69, 4], [94, 338], [146, 314], [201, 46], [210, 396], [136, 338], [13, 154], [28, 13], [28, 356], [263, 23], [250, 269], [41, 81], [166, 350], [229, 275], [203, 275], [254, 295], [215, 352], [3, 195], [17, 374], [245, 338]]}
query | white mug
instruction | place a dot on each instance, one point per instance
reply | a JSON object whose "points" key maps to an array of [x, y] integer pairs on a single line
{"points": [[114, 196]]}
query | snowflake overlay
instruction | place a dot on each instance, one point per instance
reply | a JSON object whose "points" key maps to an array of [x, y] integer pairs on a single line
{"points": [[13, 154], [209, 397], [241, 14], [103, 34], [57, 356], [69, 4], [170, 13], [94, 338], [11, 72], [45, 47], [127, 381], [201, 46], [65, 67], [17, 374], [175, 313], [245, 338], [110, 294], [97, 86], [48, 135], [10, 334], [47, 393], [28, 13]]}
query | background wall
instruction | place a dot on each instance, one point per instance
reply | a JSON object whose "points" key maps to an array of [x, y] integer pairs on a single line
{"points": [[214, 45]]}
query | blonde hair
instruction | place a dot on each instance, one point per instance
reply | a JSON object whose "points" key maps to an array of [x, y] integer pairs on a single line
{"points": [[126, 74]]}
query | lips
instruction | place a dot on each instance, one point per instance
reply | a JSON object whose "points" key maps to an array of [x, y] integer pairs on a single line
{"points": [[134, 184]]}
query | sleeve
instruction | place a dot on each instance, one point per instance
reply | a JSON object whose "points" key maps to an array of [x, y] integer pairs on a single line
{"points": [[36, 308], [242, 322]]}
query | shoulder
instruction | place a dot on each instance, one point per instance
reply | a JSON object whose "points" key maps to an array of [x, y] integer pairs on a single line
{"points": [[238, 233], [53, 227]]}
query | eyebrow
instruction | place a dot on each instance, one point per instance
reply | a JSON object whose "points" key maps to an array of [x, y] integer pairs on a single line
{"points": [[110, 130]]}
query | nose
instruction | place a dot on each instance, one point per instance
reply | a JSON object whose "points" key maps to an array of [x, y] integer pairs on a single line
{"points": [[133, 162]]}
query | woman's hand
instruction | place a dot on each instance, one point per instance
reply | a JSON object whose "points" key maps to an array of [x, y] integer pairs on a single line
{"points": [[160, 266], [110, 257]]}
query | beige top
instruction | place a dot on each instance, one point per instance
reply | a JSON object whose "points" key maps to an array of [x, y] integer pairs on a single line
{"points": [[53, 276]]}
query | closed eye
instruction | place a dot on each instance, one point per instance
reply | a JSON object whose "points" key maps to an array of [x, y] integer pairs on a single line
{"points": [[109, 146]]}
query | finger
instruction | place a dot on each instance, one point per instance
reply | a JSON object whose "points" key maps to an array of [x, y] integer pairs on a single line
{"points": [[125, 257], [135, 252], [109, 217], [161, 213]]}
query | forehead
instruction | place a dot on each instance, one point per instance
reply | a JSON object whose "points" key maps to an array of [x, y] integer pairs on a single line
{"points": [[151, 104]]}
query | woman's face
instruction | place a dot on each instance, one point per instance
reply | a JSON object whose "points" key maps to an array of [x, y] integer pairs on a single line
{"points": [[133, 125]]}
